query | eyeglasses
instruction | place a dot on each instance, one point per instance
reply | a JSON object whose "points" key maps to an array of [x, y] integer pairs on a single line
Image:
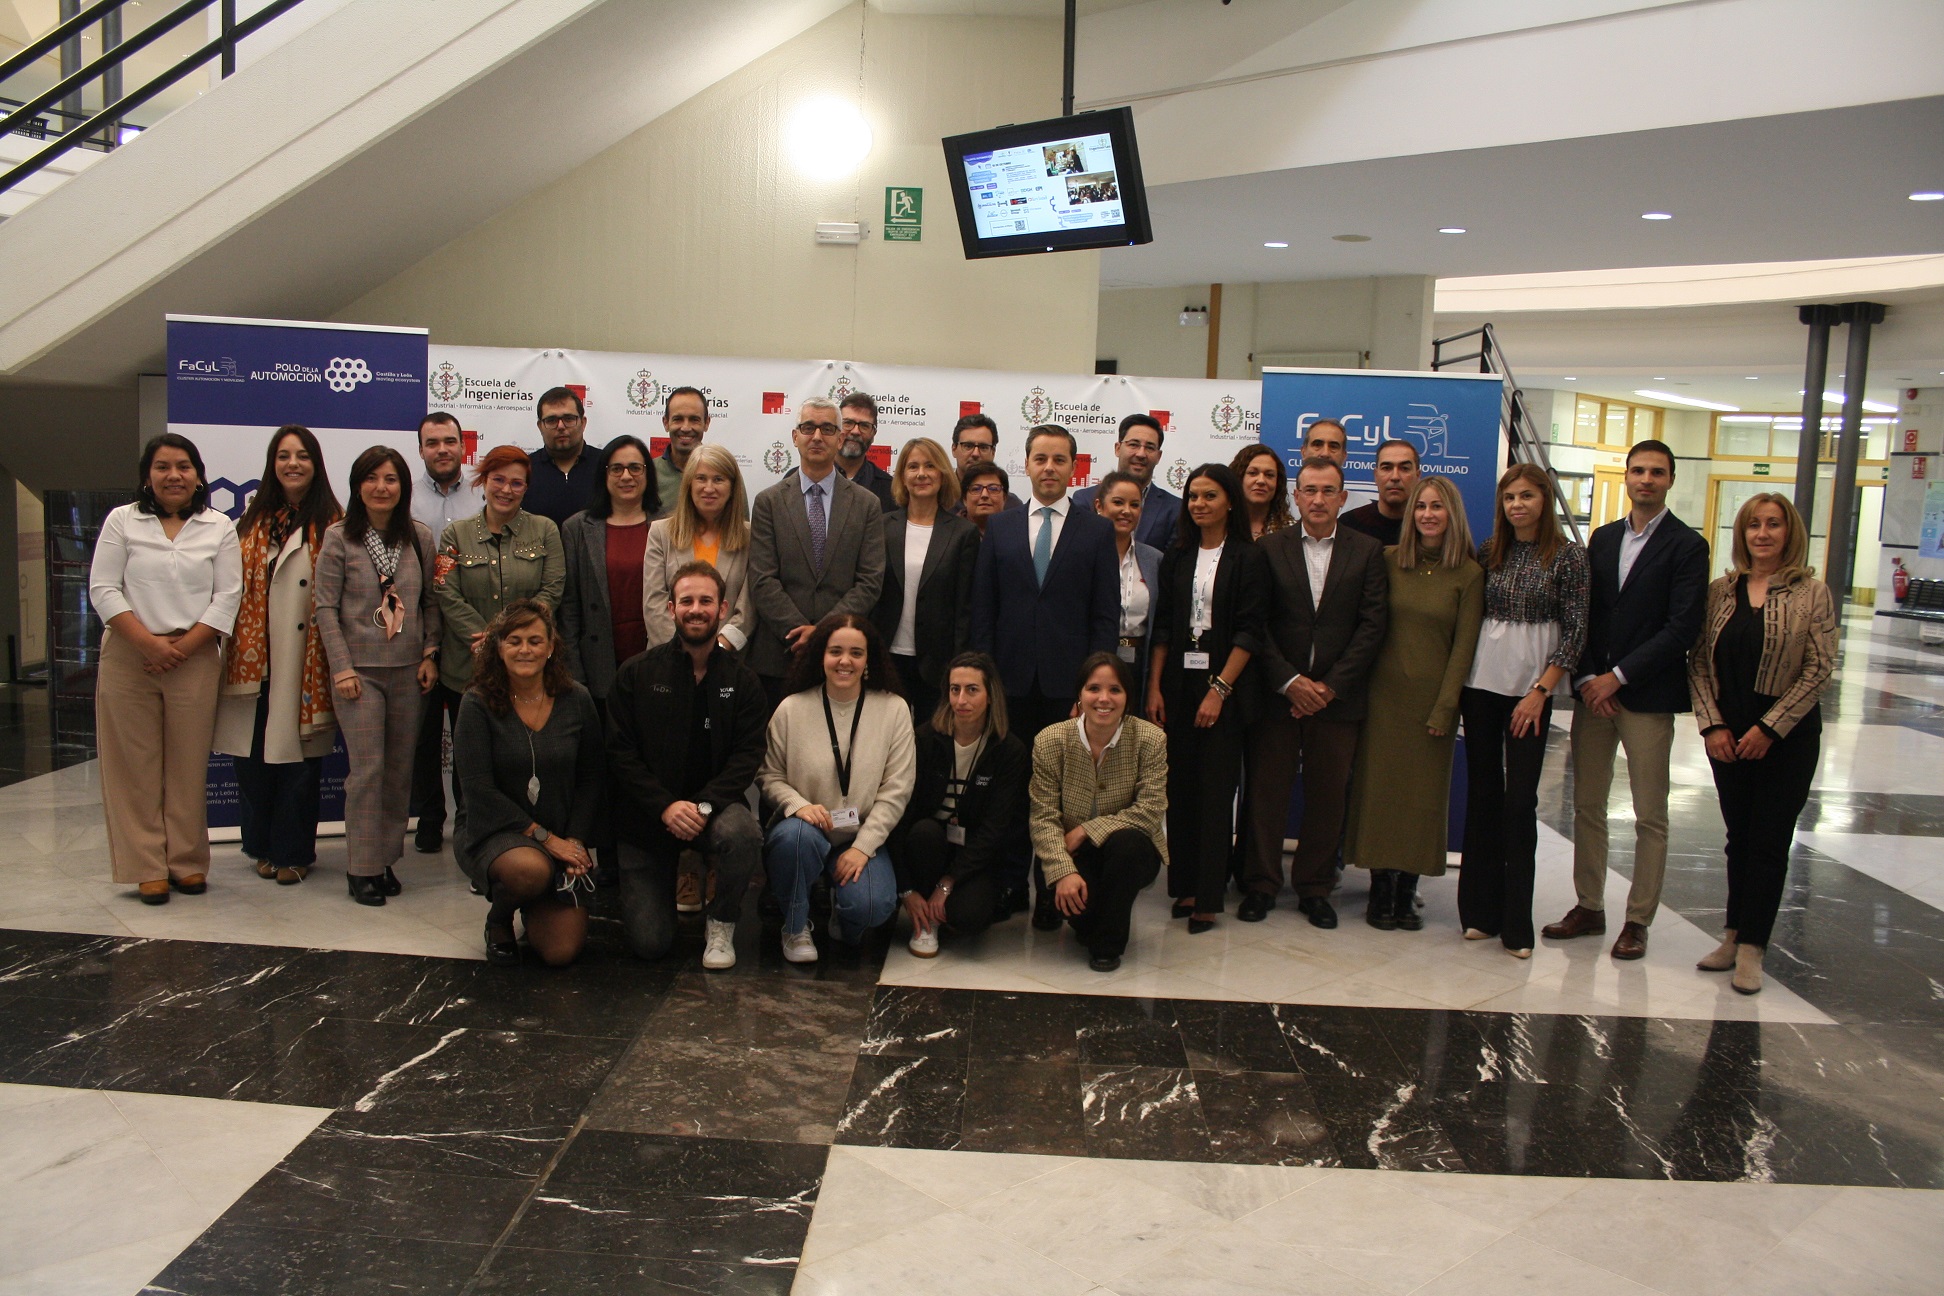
{"points": [[560, 420], [973, 445], [986, 488], [859, 425], [818, 429], [627, 470]]}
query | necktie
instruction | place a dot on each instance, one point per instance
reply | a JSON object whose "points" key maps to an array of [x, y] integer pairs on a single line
{"points": [[1043, 544], [816, 513]]}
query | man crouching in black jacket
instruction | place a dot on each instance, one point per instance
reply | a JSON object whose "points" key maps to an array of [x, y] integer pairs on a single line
{"points": [[686, 724]]}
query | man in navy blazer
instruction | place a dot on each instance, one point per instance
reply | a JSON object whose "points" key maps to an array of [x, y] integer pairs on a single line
{"points": [[1650, 588], [1039, 629], [1138, 452]]}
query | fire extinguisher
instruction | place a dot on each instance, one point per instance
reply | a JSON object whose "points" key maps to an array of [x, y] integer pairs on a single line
{"points": [[1899, 580]]}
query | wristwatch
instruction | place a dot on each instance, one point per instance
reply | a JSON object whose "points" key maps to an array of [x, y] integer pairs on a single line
{"points": [[705, 808], [540, 834]]}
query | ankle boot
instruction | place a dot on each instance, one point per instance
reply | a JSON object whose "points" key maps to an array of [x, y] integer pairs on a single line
{"points": [[1404, 903], [1748, 969], [1722, 957], [365, 890], [1380, 913]]}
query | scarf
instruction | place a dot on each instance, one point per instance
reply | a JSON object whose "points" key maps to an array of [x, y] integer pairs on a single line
{"points": [[247, 661], [390, 614]]}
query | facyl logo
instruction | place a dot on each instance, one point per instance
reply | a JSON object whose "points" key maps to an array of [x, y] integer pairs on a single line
{"points": [[344, 374], [1227, 416], [446, 382], [225, 366], [1037, 407], [644, 393], [777, 458], [1177, 473]]}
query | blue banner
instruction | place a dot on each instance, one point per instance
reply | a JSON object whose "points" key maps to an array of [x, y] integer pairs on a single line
{"points": [[1452, 419], [261, 373]]}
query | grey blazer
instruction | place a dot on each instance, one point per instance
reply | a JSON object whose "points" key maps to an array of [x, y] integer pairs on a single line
{"points": [[586, 614], [660, 564], [943, 618], [785, 586], [345, 590]]}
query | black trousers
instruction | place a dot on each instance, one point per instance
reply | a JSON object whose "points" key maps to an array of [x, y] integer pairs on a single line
{"points": [[924, 856], [1115, 873], [1760, 803], [1501, 817], [428, 760], [732, 844], [1204, 767], [1031, 712], [913, 689], [280, 803]]}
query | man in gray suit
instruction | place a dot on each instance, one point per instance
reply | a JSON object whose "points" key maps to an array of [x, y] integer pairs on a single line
{"points": [[816, 546]]}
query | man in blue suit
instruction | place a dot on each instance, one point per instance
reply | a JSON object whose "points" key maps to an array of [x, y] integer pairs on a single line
{"points": [[1045, 595], [1137, 451]]}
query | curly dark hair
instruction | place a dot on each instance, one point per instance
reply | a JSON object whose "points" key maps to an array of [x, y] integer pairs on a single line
{"points": [[806, 668], [489, 672], [1280, 517]]}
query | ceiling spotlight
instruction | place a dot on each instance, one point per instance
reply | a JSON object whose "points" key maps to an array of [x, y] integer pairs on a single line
{"points": [[827, 137], [1927, 195], [1686, 400], [1752, 377], [1570, 378], [1657, 215], [1274, 244], [1451, 229], [1660, 377], [1351, 238]]}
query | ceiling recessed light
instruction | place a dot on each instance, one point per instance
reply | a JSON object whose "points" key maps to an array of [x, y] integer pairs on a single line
{"points": [[1451, 229], [1660, 377], [1274, 244], [1570, 378], [1752, 377], [1351, 238], [1927, 195], [1657, 215], [1686, 400]]}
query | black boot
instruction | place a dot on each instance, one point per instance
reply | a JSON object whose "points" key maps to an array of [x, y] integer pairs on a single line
{"points": [[1404, 902], [365, 890], [1379, 912]]}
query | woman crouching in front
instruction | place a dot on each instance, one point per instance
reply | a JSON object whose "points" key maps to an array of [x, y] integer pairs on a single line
{"points": [[529, 753], [1099, 797], [837, 777]]}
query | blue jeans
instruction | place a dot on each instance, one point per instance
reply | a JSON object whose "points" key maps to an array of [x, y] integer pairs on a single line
{"points": [[795, 854]]}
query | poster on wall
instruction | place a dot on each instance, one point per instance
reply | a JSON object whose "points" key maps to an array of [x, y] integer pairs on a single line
{"points": [[233, 382], [1930, 536], [1451, 419]]}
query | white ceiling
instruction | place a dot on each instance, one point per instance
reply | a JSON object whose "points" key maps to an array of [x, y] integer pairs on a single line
{"points": [[1802, 186]]}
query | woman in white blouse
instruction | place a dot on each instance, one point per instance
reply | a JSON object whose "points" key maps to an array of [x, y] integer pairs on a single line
{"points": [[166, 579]]}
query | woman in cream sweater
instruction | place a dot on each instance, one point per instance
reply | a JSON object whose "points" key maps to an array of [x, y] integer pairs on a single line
{"points": [[841, 765]]}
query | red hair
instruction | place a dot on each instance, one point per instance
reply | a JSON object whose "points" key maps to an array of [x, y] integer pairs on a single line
{"points": [[500, 457]]}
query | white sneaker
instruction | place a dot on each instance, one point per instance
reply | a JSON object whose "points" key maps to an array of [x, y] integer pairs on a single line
{"points": [[925, 944], [720, 952], [799, 947]]}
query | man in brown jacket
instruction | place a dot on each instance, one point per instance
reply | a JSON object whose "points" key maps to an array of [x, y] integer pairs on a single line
{"points": [[1329, 608]]}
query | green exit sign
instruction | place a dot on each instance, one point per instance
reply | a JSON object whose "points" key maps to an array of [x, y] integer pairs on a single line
{"points": [[1761, 470], [904, 213]]}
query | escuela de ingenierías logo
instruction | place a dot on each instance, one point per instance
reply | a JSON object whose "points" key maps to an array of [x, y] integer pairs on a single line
{"points": [[777, 458], [221, 369], [1037, 407], [841, 389], [446, 382], [644, 391], [1230, 418], [1177, 474]]}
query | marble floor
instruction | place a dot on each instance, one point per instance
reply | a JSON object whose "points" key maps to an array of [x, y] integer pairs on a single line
{"points": [[270, 1090]]}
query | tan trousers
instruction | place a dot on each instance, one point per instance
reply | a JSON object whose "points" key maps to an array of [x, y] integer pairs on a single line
{"points": [[1648, 737], [153, 734]]}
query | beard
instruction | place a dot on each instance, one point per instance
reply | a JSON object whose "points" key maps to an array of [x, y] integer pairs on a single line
{"points": [[694, 635]]}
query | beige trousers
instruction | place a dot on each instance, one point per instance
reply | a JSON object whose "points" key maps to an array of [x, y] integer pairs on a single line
{"points": [[1648, 737], [153, 734]]}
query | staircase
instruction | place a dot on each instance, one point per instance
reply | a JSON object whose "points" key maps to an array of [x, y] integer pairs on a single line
{"points": [[1522, 437]]}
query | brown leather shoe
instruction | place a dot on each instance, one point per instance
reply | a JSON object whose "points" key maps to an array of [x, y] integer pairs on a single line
{"points": [[1577, 922], [1631, 943]]}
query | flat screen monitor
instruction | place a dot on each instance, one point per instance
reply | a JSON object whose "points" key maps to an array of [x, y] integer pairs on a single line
{"points": [[1049, 186]]}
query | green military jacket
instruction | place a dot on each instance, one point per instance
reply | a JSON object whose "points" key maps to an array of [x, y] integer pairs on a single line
{"points": [[478, 573]]}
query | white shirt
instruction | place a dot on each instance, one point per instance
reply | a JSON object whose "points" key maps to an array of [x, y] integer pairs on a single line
{"points": [[1632, 542], [1080, 724], [439, 507], [1035, 520], [170, 585], [917, 541], [1201, 596], [1316, 560], [1134, 597]]}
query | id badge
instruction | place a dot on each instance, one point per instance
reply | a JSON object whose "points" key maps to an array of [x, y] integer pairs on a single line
{"points": [[955, 834], [1194, 661], [843, 819], [1125, 652]]}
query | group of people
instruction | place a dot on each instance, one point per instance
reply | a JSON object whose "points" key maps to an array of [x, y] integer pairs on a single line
{"points": [[914, 689]]}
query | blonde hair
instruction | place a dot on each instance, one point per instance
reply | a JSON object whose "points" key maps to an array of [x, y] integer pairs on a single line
{"points": [[948, 483], [1457, 537], [1795, 550], [685, 524]]}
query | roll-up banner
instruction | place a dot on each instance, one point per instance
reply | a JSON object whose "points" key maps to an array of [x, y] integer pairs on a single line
{"points": [[233, 382]]}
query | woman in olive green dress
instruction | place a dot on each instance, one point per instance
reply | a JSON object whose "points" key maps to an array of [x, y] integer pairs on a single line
{"points": [[1400, 792]]}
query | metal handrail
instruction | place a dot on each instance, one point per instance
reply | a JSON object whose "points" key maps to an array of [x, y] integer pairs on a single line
{"points": [[107, 59], [34, 50], [223, 46], [1522, 435]]}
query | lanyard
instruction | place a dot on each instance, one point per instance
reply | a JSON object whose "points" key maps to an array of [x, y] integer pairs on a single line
{"points": [[836, 752]]}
